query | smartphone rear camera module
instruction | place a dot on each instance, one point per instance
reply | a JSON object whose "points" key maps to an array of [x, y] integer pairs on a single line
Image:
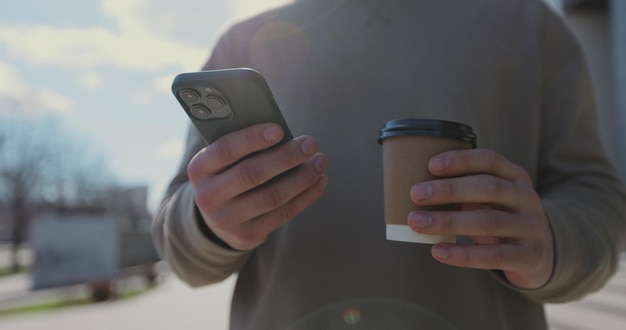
{"points": [[200, 112], [215, 104], [189, 95]]}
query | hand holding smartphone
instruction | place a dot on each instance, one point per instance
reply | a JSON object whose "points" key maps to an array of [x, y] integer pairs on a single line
{"points": [[234, 205], [219, 102]]}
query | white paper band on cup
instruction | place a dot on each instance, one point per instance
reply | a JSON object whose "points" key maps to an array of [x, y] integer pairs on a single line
{"points": [[404, 233]]}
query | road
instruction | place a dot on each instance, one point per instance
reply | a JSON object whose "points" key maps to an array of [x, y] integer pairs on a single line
{"points": [[173, 305]]}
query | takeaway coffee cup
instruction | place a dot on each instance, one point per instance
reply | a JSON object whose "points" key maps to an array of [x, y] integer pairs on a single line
{"points": [[408, 145]]}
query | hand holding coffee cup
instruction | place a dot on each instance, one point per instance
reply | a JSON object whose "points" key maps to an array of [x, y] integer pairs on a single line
{"points": [[408, 145]]}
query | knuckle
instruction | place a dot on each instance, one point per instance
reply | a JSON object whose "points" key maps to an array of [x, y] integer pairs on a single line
{"points": [[489, 223], [445, 189], [248, 174], [531, 201], [536, 250], [223, 151], [533, 197], [492, 158], [272, 198], [286, 213], [491, 185]]}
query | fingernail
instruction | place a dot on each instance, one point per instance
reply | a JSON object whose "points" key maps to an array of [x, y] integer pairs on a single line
{"points": [[421, 192], [321, 164], [272, 134], [307, 146], [439, 163], [421, 220], [441, 252]]}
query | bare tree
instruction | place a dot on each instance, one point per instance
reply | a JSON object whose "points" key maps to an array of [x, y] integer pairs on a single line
{"points": [[41, 166], [22, 158]]}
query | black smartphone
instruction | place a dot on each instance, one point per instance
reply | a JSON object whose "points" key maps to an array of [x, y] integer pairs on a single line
{"points": [[219, 102]]}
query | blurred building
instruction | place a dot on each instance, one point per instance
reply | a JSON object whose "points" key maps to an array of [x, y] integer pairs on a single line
{"points": [[132, 204], [601, 27], [80, 246], [128, 204]]}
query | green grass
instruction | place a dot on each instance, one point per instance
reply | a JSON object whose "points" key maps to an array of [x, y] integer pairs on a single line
{"points": [[132, 293], [50, 306], [9, 271], [45, 306]]}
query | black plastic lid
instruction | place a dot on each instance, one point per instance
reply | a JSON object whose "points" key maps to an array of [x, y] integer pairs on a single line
{"points": [[428, 127]]}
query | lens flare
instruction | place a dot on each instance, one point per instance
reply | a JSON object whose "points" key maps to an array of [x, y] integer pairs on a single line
{"points": [[351, 315], [279, 48]]}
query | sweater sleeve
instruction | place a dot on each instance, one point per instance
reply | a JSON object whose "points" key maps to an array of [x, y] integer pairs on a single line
{"points": [[582, 195], [179, 238]]}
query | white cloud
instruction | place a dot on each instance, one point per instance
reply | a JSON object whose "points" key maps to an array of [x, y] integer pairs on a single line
{"points": [[142, 97], [125, 13], [163, 84], [189, 22], [44, 100], [171, 150], [10, 83], [149, 35], [245, 8], [18, 98], [90, 80], [88, 48]]}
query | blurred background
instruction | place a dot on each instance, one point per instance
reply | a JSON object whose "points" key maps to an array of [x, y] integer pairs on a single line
{"points": [[90, 135]]}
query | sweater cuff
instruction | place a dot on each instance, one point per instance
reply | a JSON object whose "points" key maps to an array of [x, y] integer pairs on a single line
{"points": [[574, 273], [213, 261], [207, 232]]}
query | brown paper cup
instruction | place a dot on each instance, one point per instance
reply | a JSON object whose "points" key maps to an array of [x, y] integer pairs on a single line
{"points": [[406, 152]]}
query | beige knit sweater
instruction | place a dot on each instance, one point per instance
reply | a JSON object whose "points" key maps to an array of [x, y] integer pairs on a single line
{"points": [[339, 70]]}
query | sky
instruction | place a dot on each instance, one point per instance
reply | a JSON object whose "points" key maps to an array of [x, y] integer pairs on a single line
{"points": [[104, 70]]}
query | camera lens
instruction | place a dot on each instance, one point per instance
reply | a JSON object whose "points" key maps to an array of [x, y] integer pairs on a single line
{"points": [[215, 104], [200, 112], [189, 95]]}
